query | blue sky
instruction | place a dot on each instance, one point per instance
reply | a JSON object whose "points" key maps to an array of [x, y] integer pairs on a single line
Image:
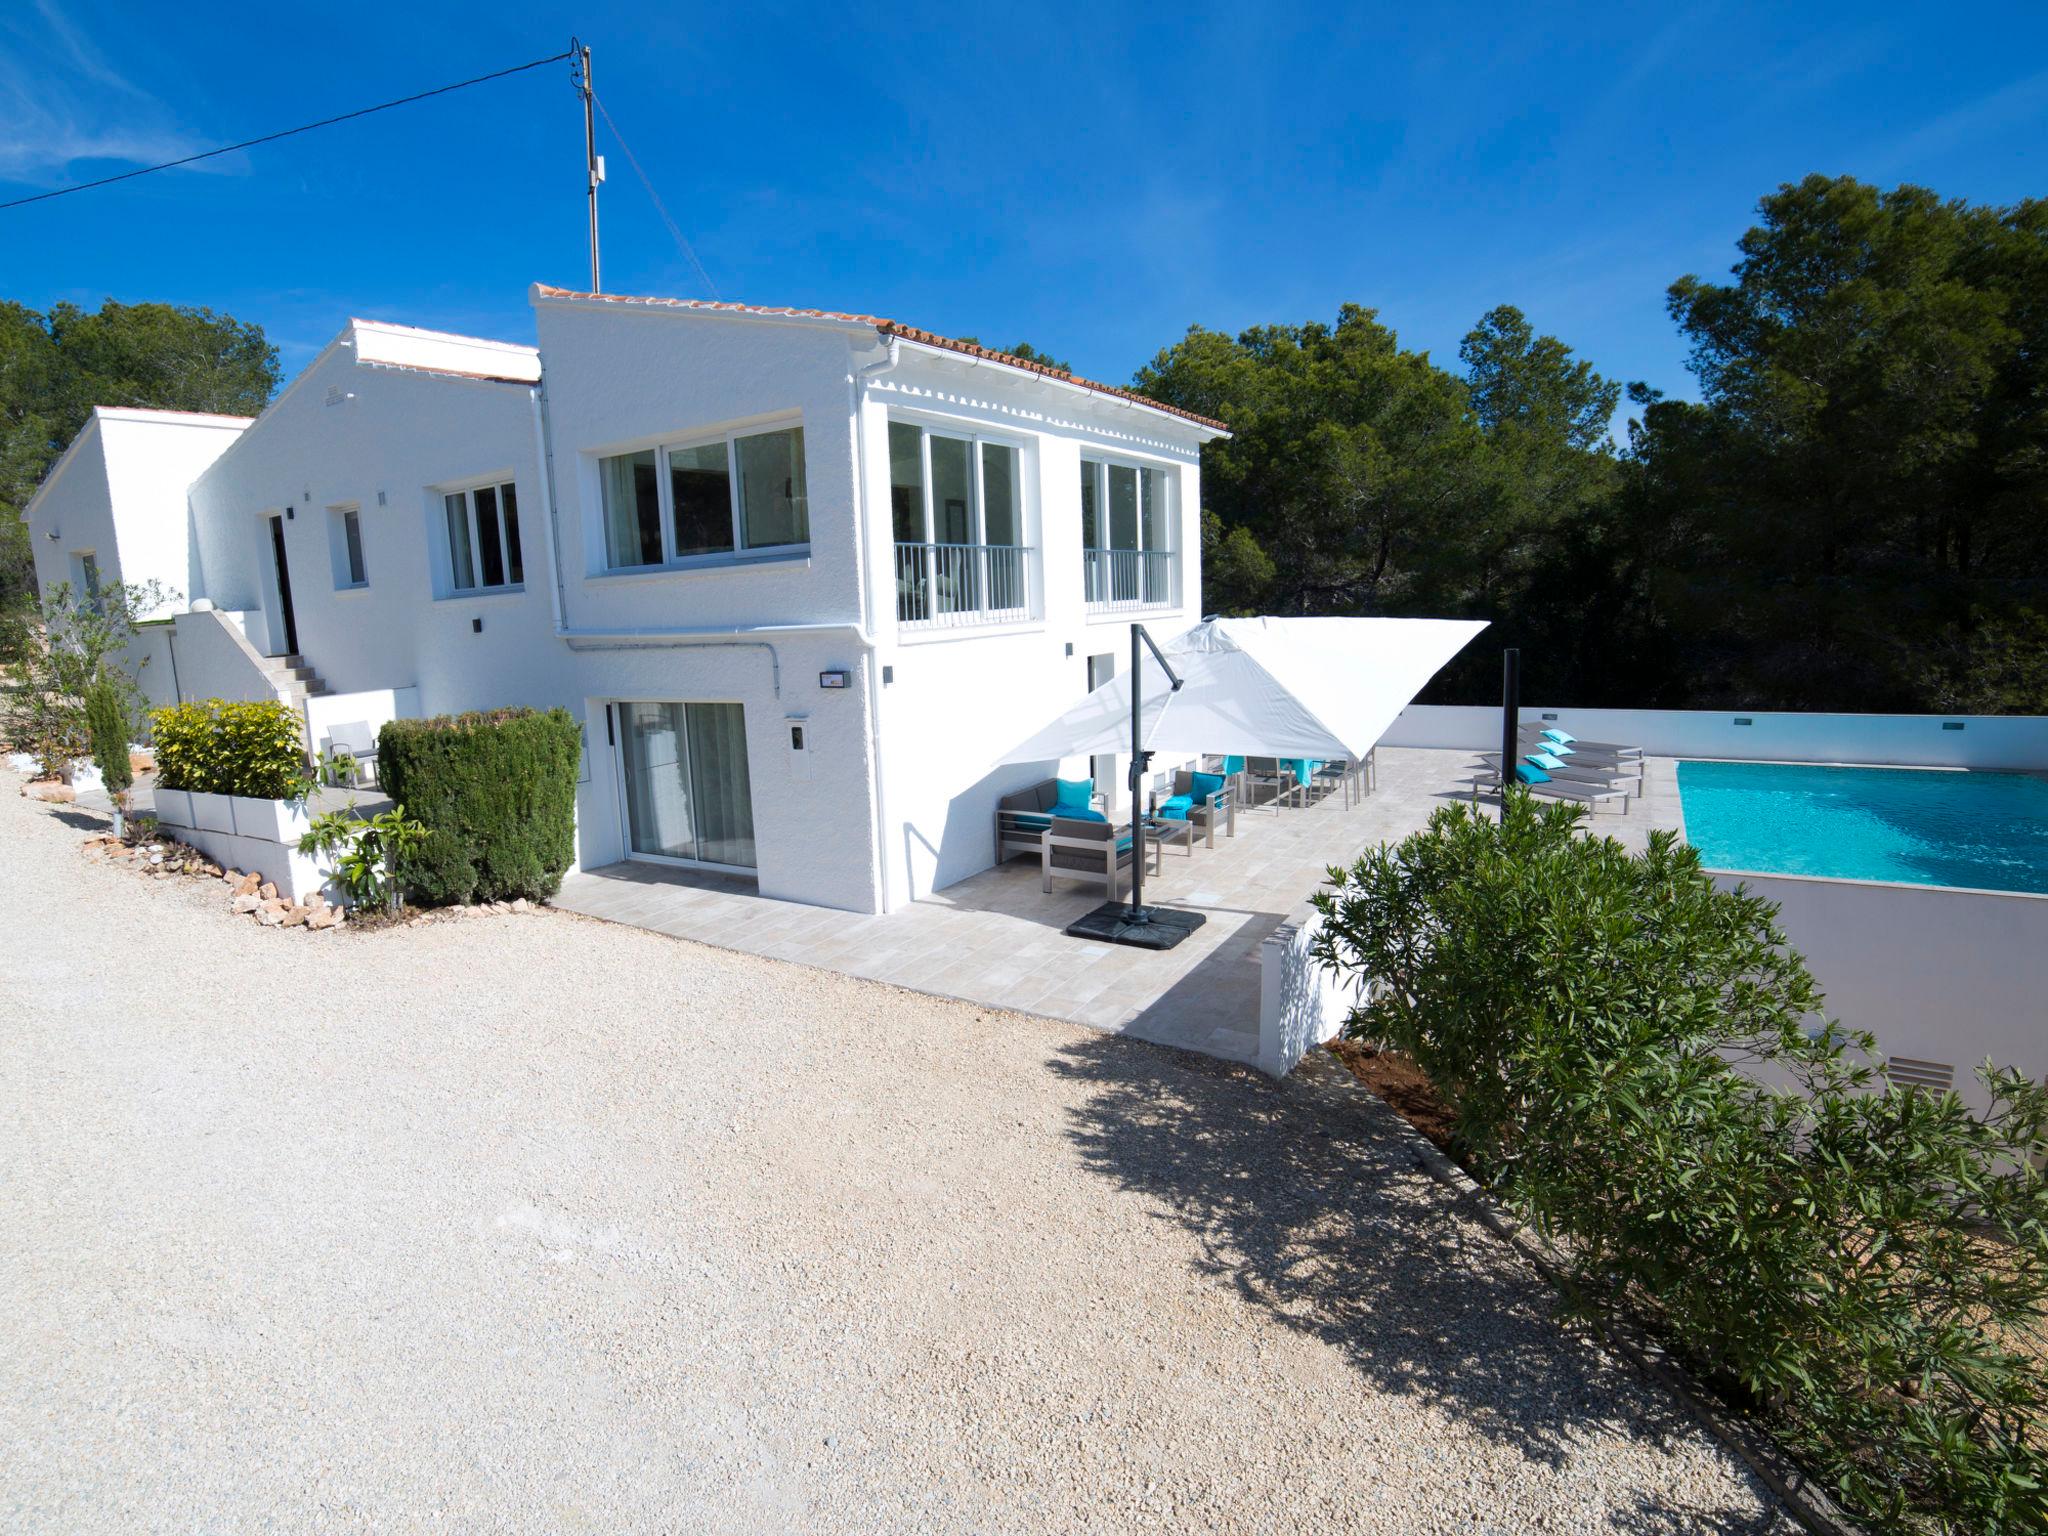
{"points": [[1092, 178]]}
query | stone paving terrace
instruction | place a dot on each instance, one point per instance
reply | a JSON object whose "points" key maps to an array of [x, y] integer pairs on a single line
{"points": [[997, 939]]}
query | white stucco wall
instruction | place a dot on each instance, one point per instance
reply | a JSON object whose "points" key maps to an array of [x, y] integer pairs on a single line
{"points": [[119, 491], [1938, 975], [959, 698], [388, 442]]}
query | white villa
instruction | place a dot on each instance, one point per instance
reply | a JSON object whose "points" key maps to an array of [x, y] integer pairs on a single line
{"points": [[803, 576]]}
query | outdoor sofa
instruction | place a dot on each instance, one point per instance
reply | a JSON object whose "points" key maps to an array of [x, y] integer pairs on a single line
{"points": [[1023, 816]]}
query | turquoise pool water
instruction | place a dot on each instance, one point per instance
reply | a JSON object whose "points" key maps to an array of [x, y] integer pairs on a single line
{"points": [[1986, 830]]}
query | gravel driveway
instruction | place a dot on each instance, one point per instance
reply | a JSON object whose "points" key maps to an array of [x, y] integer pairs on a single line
{"points": [[533, 1223]]}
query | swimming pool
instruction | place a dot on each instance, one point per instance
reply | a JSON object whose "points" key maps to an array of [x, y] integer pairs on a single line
{"points": [[1921, 825]]}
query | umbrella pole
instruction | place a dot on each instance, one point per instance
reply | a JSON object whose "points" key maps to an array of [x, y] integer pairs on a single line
{"points": [[1510, 720], [1137, 914]]}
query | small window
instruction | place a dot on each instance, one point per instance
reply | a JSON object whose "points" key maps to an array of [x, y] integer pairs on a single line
{"points": [[483, 539], [735, 494], [345, 543], [85, 578]]}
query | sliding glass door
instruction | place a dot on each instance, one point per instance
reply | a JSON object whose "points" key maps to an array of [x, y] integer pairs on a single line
{"points": [[687, 794]]}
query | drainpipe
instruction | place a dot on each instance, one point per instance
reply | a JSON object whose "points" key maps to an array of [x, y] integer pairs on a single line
{"points": [[544, 442], [858, 386]]}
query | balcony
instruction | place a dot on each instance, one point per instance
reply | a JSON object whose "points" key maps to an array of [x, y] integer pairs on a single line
{"points": [[1117, 579], [944, 586]]}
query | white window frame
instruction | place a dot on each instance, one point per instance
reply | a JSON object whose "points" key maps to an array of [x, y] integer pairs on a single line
{"points": [[741, 552], [345, 578], [468, 495], [976, 441], [1100, 463]]}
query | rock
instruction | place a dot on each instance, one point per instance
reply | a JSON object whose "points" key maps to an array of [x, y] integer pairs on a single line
{"points": [[246, 903], [296, 917], [269, 917], [267, 890], [51, 792], [501, 906], [522, 905], [249, 885], [324, 917], [232, 876], [203, 867]]}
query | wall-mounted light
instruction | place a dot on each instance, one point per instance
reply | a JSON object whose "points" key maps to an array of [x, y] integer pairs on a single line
{"points": [[834, 679], [380, 499], [888, 676], [476, 626]]}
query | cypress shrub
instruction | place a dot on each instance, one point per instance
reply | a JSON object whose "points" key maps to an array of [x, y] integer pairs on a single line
{"points": [[497, 794]]}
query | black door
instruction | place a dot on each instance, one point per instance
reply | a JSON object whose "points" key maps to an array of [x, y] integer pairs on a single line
{"points": [[284, 585]]}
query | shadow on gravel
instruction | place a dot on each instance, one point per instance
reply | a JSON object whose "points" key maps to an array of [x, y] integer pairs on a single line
{"points": [[1308, 1202]]}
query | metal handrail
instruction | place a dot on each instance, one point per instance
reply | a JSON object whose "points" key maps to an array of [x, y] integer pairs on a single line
{"points": [[1129, 578], [962, 584]]}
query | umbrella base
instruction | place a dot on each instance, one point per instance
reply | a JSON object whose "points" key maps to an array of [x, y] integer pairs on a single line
{"points": [[1111, 924]]}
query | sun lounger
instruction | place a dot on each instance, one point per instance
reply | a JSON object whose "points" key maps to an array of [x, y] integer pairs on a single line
{"points": [[1592, 796]]}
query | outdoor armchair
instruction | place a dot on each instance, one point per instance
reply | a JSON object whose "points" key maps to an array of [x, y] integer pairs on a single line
{"points": [[1206, 806], [1088, 850]]}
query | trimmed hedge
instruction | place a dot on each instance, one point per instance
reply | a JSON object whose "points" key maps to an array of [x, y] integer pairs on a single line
{"points": [[497, 794], [223, 747]]}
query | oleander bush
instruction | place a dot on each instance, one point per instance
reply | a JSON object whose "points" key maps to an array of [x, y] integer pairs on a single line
{"points": [[1638, 1064], [228, 747], [497, 794]]}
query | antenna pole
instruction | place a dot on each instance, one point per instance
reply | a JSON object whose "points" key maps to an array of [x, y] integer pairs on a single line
{"points": [[593, 161]]}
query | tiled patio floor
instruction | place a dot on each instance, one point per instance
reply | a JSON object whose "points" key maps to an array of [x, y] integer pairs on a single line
{"points": [[997, 939]]}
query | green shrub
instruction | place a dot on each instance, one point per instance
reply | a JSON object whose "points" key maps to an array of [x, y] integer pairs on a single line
{"points": [[107, 719], [231, 748], [497, 793], [1636, 1063]]}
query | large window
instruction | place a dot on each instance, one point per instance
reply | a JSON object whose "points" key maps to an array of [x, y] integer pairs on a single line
{"points": [[956, 503], [483, 539], [729, 495], [1127, 523], [688, 795]]}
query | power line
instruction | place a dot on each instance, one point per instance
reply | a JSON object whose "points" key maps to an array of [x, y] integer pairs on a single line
{"points": [[675, 231], [285, 133]]}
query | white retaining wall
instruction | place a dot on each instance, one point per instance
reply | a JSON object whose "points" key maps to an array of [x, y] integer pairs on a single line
{"points": [[259, 836], [1925, 741], [1939, 975], [1301, 1004]]}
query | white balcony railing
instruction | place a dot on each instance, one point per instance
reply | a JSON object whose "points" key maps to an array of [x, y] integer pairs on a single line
{"points": [[942, 585], [1129, 578]]}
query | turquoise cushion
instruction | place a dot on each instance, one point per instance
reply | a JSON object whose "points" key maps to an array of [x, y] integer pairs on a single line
{"points": [[1233, 765], [1123, 844], [1073, 793], [1203, 785], [1564, 736], [1304, 769], [1077, 813], [1529, 773], [1176, 809], [1546, 760], [1029, 819]]}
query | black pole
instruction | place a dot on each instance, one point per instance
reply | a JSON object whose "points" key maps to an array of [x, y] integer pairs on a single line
{"points": [[1510, 721], [1140, 761], [1138, 914]]}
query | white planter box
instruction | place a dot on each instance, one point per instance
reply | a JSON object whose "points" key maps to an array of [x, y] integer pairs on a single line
{"points": [[272, 821], [212, 813], [174, 807]]}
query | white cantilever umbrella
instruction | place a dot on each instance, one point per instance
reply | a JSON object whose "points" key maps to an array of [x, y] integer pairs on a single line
{"points": [[1272, 687]]}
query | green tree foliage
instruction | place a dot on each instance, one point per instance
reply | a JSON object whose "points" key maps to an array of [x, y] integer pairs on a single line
{"points": [[497, 793], [1853, 516], [250, 747], [1361, 478], [1636, 1062], [83, 641], [55, 368], [1864, 480]]}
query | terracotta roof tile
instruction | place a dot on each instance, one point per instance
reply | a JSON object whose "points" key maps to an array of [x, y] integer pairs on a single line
{"points": [[894, 328]]}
